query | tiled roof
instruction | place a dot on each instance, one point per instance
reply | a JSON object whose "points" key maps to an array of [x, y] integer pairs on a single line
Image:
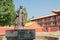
{"points": [[53, 14], [56, 11], [33, 25]]}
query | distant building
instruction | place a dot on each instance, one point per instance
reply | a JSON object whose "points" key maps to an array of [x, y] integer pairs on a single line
{"points": [[50, 22]]}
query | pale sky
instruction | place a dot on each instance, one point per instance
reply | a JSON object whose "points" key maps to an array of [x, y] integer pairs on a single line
{"points": [[38, 7]]}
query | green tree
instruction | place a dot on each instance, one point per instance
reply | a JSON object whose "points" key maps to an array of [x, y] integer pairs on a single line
{"points": [[7, 12], [28, 20], [25, 14]]}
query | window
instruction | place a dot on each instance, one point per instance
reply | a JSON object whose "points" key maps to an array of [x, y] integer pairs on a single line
{"points": [[48, 18], [43, 20], [43, 24], [53, 18], [38, 20], [53, 23]]}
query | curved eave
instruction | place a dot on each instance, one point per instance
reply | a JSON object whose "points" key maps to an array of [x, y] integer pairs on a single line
{"points": [[43, 16]]}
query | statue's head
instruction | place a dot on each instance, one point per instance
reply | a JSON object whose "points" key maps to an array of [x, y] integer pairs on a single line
{"points": [[21, 7]]}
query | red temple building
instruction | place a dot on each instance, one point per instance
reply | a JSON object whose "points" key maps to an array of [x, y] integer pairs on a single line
{"points": [[50, 23]]}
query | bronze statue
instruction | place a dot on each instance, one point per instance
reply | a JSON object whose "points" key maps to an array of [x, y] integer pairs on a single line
{"points": [[19, 33], [20, 18]]}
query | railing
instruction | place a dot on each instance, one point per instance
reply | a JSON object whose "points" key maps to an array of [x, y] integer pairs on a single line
{"points": [[41, 22]]}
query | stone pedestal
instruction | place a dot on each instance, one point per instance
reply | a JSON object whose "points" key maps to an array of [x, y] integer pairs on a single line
{"points": [[20, 34]]}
